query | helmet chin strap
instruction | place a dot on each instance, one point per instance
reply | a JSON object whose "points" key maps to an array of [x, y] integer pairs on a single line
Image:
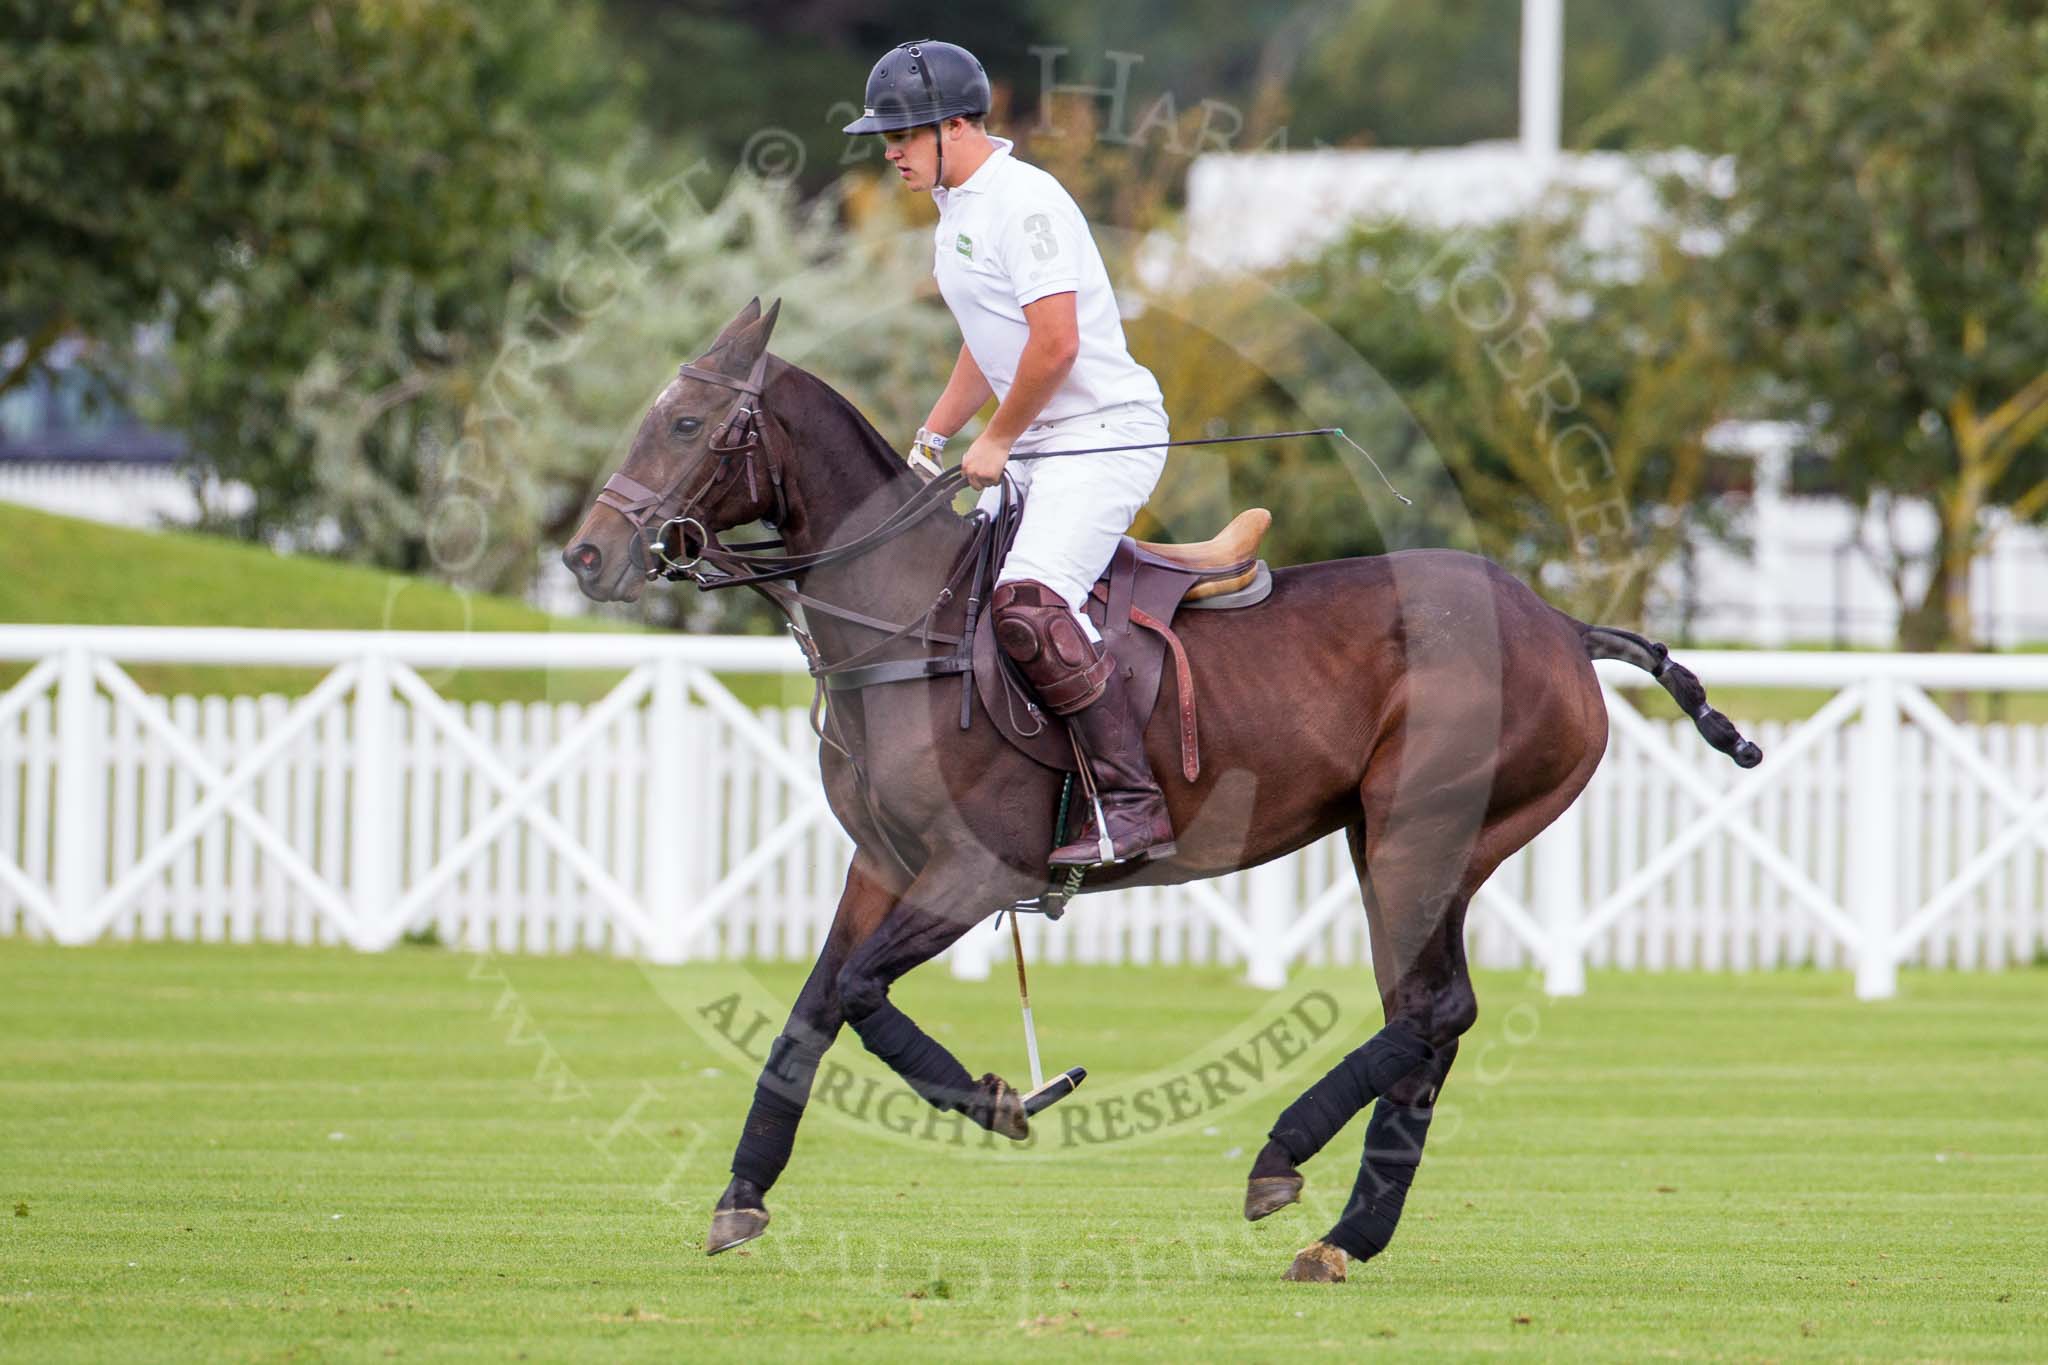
{"points": [[939, 146]]}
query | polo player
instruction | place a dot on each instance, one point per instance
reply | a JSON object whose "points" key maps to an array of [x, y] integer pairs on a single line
{"points": [[1040, 331]]}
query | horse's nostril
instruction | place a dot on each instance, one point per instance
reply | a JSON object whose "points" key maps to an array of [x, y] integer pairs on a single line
{"points": [[583, 559]]}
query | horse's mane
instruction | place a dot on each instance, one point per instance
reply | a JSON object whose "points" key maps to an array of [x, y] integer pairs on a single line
{"points": [[876, 445]]}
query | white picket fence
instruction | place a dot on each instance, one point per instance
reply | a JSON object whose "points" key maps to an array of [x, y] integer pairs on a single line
{"points": [[669, 820], [120, 494]]}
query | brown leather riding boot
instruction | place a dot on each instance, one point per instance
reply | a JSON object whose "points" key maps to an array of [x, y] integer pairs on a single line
{"points": [[1076, 679], [1114, 744]]}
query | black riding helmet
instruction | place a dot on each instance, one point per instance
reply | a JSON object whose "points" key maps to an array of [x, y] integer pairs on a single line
{"points": [[920, 83]]}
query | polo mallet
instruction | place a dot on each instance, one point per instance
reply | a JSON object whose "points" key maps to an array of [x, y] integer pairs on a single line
{"points": [[1044, 1093]]}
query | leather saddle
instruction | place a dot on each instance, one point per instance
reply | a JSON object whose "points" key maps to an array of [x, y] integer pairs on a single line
{"points": [[1133, 605]]}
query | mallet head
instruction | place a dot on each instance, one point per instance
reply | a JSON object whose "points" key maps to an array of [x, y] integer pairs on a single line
{"points": [[1054, 1090]]}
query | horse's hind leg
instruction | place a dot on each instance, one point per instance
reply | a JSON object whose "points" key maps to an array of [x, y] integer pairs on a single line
{"points": [[785, 1084], [1403, 1046], [1401, 1115], [1418, 882], [1415, 893], [1393, 1149]]}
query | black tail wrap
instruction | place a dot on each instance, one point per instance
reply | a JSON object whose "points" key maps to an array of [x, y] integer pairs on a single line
{"points": [[1366, 1072], [1608, 642], [1393, 1149]]}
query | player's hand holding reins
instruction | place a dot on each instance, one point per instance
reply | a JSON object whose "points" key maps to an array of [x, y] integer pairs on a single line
{"points": [[983, 466]]}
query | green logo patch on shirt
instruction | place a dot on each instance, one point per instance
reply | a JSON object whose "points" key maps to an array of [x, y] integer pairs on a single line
{"points": [[965, 245]]}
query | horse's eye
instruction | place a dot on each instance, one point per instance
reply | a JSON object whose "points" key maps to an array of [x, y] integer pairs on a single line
{"points": [[687, 426]]}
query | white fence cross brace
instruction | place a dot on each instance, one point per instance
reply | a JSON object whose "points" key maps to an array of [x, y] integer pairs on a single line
{"points": [[224, 794], [801, 776], [2029, 820], [519, 801], [1718, 811]]}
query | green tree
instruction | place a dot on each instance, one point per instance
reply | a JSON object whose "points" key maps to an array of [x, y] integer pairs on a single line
{"points": [[1881, 265], [553, 415], [295, 188], [769, 87], [1546, 403]]}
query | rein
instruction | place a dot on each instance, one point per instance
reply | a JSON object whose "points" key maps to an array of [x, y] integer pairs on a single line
{"points": [[740, 566], [713, 565]]}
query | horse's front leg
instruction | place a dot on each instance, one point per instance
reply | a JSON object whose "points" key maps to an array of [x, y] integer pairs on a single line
{"points": [[948, 898], [785, 1084]]}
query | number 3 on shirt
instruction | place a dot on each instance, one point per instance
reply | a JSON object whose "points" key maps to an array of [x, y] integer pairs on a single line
{"points": [[1043, 244]]}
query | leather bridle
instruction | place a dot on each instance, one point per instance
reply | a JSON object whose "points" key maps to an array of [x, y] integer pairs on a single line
{"points": [[712, 564], [737, 444]]}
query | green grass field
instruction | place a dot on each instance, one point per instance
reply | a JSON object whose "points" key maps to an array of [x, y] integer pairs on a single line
{"points": [[261, 1154]]}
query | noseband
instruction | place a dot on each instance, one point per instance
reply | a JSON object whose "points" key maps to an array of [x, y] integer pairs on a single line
{"points": [[739, 435]]}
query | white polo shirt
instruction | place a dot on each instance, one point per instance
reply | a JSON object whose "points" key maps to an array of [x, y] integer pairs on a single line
{"points": [[1009, 235]]}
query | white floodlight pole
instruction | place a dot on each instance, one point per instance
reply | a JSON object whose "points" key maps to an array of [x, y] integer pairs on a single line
{"points": [[1542, 79]]}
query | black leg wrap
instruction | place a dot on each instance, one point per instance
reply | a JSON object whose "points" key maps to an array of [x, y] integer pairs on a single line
{"points": [[1272, 1160], [1393, 1149], [1366, 1073], [912, 1054], [779, 1099]]}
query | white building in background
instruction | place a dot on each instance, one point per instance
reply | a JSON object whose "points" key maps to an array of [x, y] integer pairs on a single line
{"points": [[1259, 210], [1813, 571], [67, 447]]}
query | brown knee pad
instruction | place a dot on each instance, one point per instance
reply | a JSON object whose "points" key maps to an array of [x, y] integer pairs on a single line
{"points": [[1037, 630]]}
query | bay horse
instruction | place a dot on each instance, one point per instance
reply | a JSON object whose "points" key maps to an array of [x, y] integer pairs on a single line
{"points": [[1426, 703]]}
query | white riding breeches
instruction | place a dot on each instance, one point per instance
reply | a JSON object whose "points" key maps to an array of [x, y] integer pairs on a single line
{"points": [[1076, 509]]}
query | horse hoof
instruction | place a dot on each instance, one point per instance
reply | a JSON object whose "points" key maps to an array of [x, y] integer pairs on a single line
{"points": [[1000, 1109], [734, 1227], [1318, 1263], [1264, 1194]]}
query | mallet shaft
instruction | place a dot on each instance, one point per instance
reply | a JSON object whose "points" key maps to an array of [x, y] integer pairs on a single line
{"points": [[1024, 996]]}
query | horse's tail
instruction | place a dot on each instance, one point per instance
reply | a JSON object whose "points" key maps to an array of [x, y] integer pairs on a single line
{"points": [[1606, 642]]}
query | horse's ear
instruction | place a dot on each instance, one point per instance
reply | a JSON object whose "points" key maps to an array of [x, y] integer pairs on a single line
{"points": [[749, 341], [746, 317]]}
